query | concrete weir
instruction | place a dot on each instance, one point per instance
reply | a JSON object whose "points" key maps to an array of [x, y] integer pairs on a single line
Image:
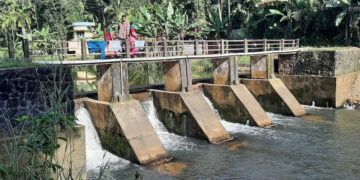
{"points": [[125, 130], [236, 104], [187, 113], [274, 97]]}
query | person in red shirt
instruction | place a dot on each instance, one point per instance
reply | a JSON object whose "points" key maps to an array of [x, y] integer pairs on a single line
{"points": [[133, 38]]}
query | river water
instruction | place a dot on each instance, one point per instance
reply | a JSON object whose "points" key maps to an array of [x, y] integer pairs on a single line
{"points": [[323, 145]]}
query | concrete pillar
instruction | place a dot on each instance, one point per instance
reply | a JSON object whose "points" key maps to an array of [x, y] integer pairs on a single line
{"points": [[262, 67], [187, 113], [235, 103], [177, 75], [274, 97], [113, 82], [225, 71]]}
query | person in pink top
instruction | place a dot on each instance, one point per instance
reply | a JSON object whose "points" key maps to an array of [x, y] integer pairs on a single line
{"points": [[133, 38]]}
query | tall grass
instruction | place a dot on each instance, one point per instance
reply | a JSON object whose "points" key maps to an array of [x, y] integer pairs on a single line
{"points": [[30, 149]]}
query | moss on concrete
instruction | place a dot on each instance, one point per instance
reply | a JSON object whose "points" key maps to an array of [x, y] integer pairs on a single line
{"points": [[118, 145], [236, 113], [182, 124], [273, 103]]}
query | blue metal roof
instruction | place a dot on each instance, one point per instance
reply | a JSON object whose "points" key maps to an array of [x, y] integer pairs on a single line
{"points": [[83, 24]]}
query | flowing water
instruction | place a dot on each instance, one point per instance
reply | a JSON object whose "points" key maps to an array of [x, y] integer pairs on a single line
{"points": [[322, 145]]}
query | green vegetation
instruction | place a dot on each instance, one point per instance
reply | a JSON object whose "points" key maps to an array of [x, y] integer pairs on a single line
{"points": [[243, 59], [7, 63], [202, 69], [35, 155], [315, 22], [145, 73]]}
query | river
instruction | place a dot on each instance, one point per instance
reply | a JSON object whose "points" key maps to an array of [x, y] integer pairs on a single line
{"points": [[322, 145]]}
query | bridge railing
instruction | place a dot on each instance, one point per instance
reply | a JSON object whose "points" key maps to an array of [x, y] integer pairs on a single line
{"points": [[78, 50]]}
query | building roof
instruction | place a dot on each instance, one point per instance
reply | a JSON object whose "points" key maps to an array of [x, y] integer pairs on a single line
{"points": [[83, 24]]}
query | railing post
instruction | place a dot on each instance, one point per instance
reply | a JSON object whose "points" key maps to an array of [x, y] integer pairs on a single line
{"points": [[26, 49], [246, 47], [182, 64], [178, 48], [227, 47], [146, 49], [196, 47], [165, 52], [205, 48], [188, 74], [222, 47], [265, 45], [297, 43], [282, 44], [127, 43], [83, 49]]}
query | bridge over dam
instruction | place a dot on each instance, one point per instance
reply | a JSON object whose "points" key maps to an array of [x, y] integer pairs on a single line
{"points": [[125, 130]]}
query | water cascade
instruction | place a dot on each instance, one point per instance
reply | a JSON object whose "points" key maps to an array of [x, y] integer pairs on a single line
{"points": [[172, 142], [95, 155]]}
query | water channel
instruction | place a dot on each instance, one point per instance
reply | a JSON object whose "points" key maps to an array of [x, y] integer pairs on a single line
{"points": [[323, 145]]}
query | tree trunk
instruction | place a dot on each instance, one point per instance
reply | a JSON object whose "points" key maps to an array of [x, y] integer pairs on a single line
{"points": [[10, 44], [25, 45]]}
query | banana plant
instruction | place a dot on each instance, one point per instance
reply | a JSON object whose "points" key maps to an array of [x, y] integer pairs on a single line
{"points": [[146, 23], [216, 26], [182, 26]]}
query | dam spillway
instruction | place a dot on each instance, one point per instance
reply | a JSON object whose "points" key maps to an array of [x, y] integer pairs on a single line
{"points": [[252, 100]]}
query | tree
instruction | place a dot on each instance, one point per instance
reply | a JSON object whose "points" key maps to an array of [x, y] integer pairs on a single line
{"points": [[16, 15]]}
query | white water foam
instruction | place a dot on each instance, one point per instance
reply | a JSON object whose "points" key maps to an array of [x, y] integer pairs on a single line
{"points": [[95, 155], [237, 127], [349, 106], [170, 141], [313, 106]]}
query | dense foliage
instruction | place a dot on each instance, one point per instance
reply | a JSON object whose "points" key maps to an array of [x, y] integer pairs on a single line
{"points": [[315, 22]]}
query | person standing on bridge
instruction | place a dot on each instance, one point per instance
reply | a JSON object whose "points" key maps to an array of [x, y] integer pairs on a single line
{"points": [[124, 29], [133, 38]]}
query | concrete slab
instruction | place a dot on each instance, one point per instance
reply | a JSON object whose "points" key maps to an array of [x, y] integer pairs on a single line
{"points": [[189, 114], [274, 96], [172, 76], [125, 130], [259, 66], [287, 97], [235, 103]]}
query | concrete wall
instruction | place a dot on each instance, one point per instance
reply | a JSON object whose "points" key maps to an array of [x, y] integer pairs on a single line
{"points": [[27, 91], [259, 67], [347, 61], [355, 93], [307, 89], [71, 154], [325, 77], [308, 63], [344, 86]]}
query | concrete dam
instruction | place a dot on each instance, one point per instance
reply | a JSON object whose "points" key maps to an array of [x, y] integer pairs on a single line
{"points": [[125, 130], [278, 83]]}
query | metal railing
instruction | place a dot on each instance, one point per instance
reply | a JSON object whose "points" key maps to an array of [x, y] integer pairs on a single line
{"points": [[78, 50]]}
